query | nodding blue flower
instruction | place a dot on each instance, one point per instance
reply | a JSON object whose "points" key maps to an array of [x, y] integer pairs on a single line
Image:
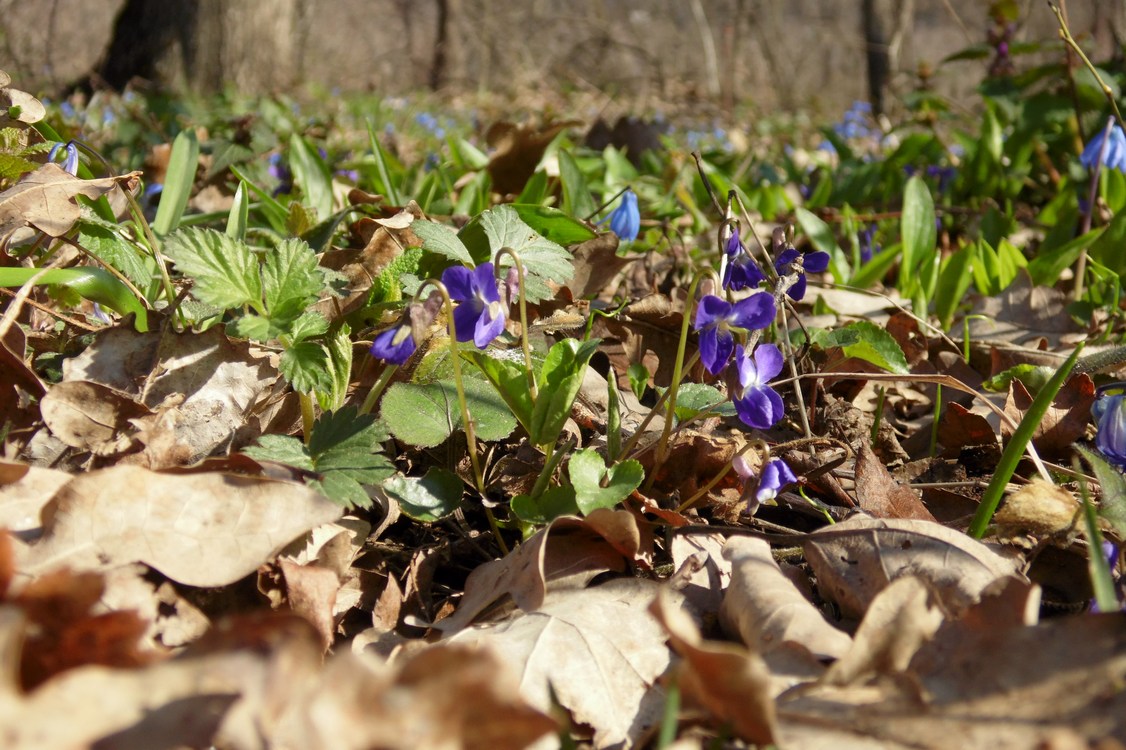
{"points": [[867, 249], [1110, 411], [741, 271], [1114, 155], [70, 161], [715, 317], [814, 262], [279, 170], [756, 403], [396, 344], [480, 315], [775, 475], [625, 221]]}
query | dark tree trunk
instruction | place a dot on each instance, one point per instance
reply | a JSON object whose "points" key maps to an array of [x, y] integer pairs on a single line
{"points": [[206, 45], [876, 52], [442, 39]]}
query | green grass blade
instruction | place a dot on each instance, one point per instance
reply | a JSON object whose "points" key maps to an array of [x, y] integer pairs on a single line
{"points": [[1102, 582], [240, 212], [388, 187], [1017, 444], [312, 175], [178, 181]]}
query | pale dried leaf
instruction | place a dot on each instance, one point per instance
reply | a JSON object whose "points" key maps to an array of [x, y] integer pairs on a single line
{"points": [[708, 572], [855, 559], [198, 529], [770, 615], [1037, 508], [91, 417], [24, 490], [733, 684], [311, 592], [598, 649], [44, 199]]}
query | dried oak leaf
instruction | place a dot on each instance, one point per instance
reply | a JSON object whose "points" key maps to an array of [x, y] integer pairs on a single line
{"points": [[91, 417], [518, 148], [880, 495], [198, 529], [1066, 420], [44, 199]]}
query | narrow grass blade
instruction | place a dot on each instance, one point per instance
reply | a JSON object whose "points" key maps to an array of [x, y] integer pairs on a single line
{"points": [[388, 187], [178, 181], [1015, 449], [1102, 582]]}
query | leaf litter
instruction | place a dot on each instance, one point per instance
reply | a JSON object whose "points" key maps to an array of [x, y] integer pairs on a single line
{"points": [[213, 541]]}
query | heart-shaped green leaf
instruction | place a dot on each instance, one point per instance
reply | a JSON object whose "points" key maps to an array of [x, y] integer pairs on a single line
{"points": [[599, 487]]}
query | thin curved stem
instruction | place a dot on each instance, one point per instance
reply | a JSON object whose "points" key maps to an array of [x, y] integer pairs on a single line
{"points": [[378, 388], [523, 316]]}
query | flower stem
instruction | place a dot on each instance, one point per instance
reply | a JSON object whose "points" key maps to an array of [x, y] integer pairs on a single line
{"points": [[378, 388], [307, 415], [523, 316]]}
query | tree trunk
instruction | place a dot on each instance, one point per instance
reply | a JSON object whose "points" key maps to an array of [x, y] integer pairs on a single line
{"points": [[207, 45], [876, 52]]}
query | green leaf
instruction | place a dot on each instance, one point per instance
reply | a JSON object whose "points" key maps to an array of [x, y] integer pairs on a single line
{"points": [[917, 225], [1113, 504], [310, 324], [430, 498], [281, 449], [343, 450], [865, 341], [559, 380], [1032, 376], [312, 175], [305, 366], [178, 182], [291, 279], [577, 200], [105, 242], [502, 227], [638, 375], [552, 503], [383, 168], [555, 225], [426, 414], [953, 282], [697, 399], [224, 270], [441, 240], [91, 283], [253, 327], [599, 487], [511, 383], [339, 348], [239, 213]]}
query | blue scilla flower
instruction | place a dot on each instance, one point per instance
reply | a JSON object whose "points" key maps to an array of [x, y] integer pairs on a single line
{"points": [[1114, 155], [756, 403], [480, 315], [70, 160], [1110, 412], [625, 220], [715, 317]]}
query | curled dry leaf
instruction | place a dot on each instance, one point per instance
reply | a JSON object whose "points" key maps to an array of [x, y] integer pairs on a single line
{"points": [[1037, 508], [91, 417], [730, 682], [855, 559], [567, 553], [597, 649], [766, 611], [198, 529], [44, 199]]}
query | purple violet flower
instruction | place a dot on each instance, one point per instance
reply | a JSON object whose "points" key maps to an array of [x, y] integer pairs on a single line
{"points": [[756, 403], [741, 271], [625, 220], [396, 344], [715, 317], [776, 474], [1110, 411], [815, 262], [480, 316]]}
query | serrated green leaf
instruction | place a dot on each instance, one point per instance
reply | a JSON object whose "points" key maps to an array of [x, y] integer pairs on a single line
{"points": [[865, 341], [441, 240], [599, 487], [291, 279], [13, 167], [429, 498], [502, 227], [339, 348], [552, 503], [224, 270], [105, 242], [253, 327], [282, 449], [426, 414], [308, 325], [305, 366], [553, 224], [1112, 505]]}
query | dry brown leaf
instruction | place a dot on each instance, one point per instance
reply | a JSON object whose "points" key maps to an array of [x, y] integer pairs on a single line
{"points": [[198, 529], [567, 553], [1066, 419], [311, 592], [770, 615], [731, 683], [880, 495], [596, 264], [899, 620], [44, 199], [518, 149], [856, 558], [24, 490], [597, 649], [704, 573], [19, 106], [1037, 508], [91, 417], [959, 427]]}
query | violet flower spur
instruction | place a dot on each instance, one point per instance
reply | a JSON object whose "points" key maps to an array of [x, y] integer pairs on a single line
{"points": [[715, 317], [814, 262], [625, 221], [756, 403], [480, 315], [741, 271]]}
